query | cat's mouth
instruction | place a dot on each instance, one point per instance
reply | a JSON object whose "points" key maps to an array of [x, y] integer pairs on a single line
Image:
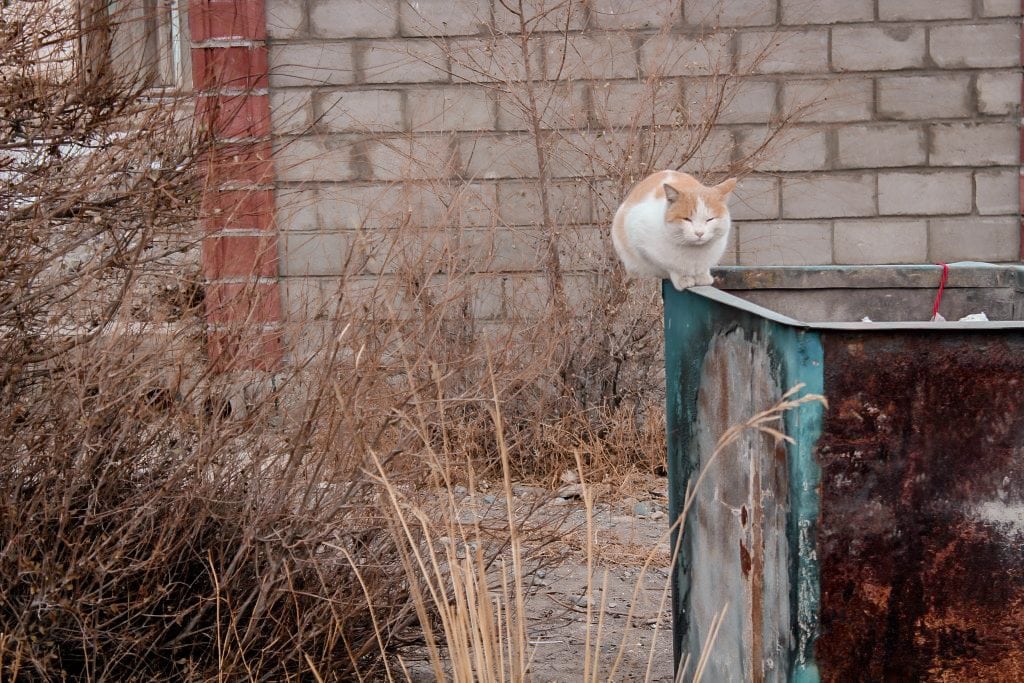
{"points": [[694, 241]]}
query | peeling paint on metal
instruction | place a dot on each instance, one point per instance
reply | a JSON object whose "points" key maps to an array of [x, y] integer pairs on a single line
{"points": [[803, 361], [741, 557], [751, 359]]}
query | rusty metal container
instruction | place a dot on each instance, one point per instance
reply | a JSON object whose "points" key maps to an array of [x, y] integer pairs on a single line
{"points": [[887, 543]]}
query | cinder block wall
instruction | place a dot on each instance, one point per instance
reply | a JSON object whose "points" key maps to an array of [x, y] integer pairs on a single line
{"points": [[910, 152]]}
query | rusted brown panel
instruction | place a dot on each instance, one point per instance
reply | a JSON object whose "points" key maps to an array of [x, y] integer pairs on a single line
{"points": [[921, 535]]}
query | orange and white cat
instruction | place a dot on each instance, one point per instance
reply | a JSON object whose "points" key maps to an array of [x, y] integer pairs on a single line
{"points": [[671, 226]]}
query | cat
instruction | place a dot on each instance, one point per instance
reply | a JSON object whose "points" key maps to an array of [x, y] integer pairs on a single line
{"points": [[671, 226]]}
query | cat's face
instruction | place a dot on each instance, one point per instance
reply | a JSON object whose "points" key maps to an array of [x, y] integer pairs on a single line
{"points": [[698, 217]]}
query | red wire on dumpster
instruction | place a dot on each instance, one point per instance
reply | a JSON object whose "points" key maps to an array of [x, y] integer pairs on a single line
{"points": [[942, 288]]}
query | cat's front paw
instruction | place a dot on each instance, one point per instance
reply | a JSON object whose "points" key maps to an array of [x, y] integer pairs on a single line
{"points": [[681, 282], [704, 279]]}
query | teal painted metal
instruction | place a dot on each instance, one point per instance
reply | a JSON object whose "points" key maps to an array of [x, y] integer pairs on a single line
{"points": [[803, 363], [693, 319]]}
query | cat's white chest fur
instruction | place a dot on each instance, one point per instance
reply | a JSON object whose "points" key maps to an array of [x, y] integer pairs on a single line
{"points": [[671, 226]]}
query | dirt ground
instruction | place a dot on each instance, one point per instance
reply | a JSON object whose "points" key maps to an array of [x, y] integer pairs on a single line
{"points": [[630, 525], [623, 541]]}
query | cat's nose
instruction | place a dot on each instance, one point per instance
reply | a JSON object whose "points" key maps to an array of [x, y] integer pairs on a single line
{"points": [[698, 234]]}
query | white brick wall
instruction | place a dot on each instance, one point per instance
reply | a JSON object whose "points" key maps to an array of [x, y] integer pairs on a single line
{"points": [[867, 242], [403, 61], [291, 110], [881, 145], [311, 64], [756, 199], [286, 19], [345, 111], [602, 56], [805, 149], [844, 99], [785, 51], [826, 11], [974, 45], [902, 10], [623, 103], [998, 92], [785, 244], [633, 14], [353, 18], [997, 192], [312, 159], [975, 144], [903, 193], [561, 104], [680, 55], [463, 107], [878, 48], [1000, 8], [754, 102], [401, 157], [744, 13], [444, 17], [906, 148], [507, 155], [984, 239], [925, 97], [541, 16], [829, 196]]}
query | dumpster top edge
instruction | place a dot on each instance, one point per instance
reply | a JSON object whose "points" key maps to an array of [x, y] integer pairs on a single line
{"points": [[948, 325], [734, 301], [962, 274]]}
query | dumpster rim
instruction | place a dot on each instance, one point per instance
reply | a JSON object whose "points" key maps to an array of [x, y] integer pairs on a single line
{"points": [[727, 299], [962, 274]]}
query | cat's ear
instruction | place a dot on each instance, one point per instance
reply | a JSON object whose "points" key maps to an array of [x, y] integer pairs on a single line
{"points": [[725, 187], [671, 193]]}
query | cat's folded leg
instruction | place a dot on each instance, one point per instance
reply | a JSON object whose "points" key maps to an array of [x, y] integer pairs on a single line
{"points": [[681, 282], [703, 279]]}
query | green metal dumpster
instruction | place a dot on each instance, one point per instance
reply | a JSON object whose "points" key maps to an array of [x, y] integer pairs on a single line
{"points": [[887, 542]]}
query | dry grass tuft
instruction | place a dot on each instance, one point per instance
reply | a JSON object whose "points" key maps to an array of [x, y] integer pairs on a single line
{"points": [[478, 584], [155, 523]]}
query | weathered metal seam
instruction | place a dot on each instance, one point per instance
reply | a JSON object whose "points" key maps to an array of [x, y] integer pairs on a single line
{"points": [[962, 274], [803, 363]]}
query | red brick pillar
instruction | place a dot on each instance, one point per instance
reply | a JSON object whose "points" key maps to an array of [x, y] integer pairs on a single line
{"points": [[229, 66]]}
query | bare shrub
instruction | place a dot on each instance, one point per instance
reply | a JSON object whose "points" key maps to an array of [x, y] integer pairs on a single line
{"points": [[155, 522]]}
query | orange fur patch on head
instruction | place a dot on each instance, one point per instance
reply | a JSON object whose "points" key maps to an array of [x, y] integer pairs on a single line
{"points": [[689, 189], [683, 207]]}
